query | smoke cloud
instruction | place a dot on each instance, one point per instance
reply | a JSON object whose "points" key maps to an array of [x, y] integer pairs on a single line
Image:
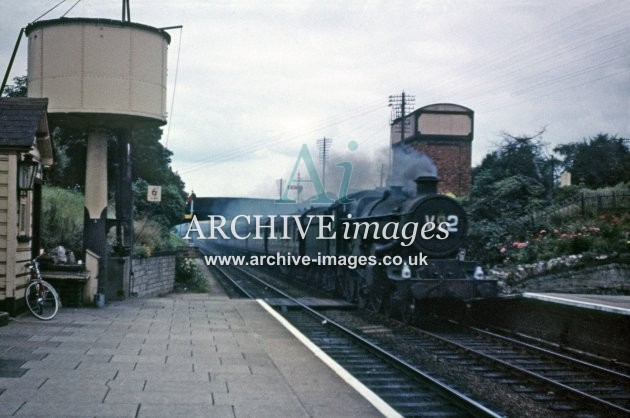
{"points": [[409, 164]]}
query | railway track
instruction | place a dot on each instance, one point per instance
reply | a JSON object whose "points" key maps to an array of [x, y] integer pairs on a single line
{"points": [[563, 384], [405, 388], [567, 383]]}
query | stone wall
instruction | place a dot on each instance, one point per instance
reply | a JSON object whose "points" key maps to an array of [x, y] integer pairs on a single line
{"points": [[153, 276], [609, 279]]}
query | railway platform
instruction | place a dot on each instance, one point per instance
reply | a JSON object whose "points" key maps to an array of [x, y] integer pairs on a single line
{"points": [[595, 324], [606, 303], [180, 355]]}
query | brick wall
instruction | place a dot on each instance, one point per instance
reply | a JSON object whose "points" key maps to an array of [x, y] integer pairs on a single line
{"points": [[153, 276], [453, 162]]}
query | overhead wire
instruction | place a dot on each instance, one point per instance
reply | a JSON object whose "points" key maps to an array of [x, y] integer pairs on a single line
{"points": [[49, 10], [68, 11], [170, 113], [265, 143], [522, 63], [513, 53]]}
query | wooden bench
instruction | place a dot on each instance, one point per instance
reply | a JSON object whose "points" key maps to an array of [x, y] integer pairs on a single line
{"points": [[68, 280]]}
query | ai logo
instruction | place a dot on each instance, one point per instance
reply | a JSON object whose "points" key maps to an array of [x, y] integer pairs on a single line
{"points": [[313, 177]]}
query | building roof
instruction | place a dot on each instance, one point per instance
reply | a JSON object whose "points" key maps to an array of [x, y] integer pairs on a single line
{"points": [[22, 121]]}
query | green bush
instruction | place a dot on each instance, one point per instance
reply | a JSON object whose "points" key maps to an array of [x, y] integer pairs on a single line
{"points": [[62, 219], [150, 236], [594, 236], [188, 277]]}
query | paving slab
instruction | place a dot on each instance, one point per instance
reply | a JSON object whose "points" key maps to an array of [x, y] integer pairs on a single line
{"points": [[182, 355]]}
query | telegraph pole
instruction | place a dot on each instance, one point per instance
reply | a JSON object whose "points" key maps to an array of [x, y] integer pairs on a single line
{"points": [[399, 104], [324, 145]]}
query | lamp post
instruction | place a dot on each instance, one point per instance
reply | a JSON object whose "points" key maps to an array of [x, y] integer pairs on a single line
{"points": [[27, 171]]}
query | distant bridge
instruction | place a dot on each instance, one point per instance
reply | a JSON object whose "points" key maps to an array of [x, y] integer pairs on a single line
{"points": [[230, 207]]}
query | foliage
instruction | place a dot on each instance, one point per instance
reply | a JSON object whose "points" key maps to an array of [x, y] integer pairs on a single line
{"points": [[515, 181], [18, 89], [511, 182], [522, 155], [612, 153], [55, 173], [68, 170], [188, 276], [602, 236], [151, 160], [168, 212], [151, 164], [150, 237], [62, 219]]}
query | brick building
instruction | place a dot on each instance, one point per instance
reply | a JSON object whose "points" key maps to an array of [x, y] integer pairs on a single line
{"points": [[444, 132]]}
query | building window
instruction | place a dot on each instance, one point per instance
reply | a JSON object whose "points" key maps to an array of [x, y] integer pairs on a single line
{"points": [[27, 171], [24, 217]]}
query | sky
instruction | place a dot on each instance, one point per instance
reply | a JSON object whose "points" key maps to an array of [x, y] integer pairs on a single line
{"points": [[250, 82]]}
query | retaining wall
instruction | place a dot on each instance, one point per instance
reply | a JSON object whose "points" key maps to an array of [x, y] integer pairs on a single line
{"points": [[153, 276], [611, 278]]}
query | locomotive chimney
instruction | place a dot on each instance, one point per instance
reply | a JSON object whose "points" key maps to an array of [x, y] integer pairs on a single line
{"points": [[426, 185]]}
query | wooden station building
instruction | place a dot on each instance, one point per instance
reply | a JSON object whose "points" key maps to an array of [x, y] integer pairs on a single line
{"points": [[25, 148]]}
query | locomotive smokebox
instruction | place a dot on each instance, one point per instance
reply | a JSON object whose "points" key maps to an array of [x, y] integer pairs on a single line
{"points": [[426, 185]]}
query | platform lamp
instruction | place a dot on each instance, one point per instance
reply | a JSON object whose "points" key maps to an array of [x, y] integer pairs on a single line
{"points": [[27, 171]]}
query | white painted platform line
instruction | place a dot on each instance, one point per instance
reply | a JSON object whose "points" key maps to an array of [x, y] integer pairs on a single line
{"points": [[371, 397], [577, 303]]}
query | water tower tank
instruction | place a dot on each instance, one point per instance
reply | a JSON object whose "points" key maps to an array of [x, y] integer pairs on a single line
{"points": [[98, 71]]}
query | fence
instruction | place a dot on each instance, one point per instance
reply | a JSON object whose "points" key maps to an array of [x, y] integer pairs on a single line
{"points": [[587, 203]]}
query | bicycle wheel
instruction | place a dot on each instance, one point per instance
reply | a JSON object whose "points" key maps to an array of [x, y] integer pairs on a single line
{"points": [[42, 300]]}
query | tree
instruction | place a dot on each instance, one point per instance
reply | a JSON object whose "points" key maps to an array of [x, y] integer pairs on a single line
{"points": [[18, 89], [515, 178], [151, 164], [600, 161], [150, 161], [510, 183]]}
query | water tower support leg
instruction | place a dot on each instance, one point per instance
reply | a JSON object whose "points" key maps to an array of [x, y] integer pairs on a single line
{"points": [[123, 279], [124, 194], [127, 191], [95, 211]]}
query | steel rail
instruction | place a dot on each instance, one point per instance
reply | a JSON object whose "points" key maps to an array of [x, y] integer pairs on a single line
{"points": [[599, 369], [568, 389]]}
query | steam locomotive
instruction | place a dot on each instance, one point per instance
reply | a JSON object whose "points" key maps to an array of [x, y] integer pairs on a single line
{"points": [[381, 267]]}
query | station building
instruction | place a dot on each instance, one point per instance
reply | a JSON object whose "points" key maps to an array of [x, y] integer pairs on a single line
{"points": [[25, 148]]}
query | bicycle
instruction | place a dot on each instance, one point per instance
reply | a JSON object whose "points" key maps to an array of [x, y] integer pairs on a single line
{"points": [[41, 298]]}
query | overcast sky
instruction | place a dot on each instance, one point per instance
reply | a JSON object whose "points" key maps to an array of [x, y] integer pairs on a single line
{"points": [[257, 79]]}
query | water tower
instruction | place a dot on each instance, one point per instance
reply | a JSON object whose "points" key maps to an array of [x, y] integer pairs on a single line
{"points": [[104, 76]]}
